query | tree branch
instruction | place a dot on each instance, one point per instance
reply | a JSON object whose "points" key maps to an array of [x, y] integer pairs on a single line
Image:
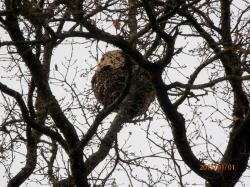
{"points": [[106, 143], [31, 161], [179, 130], [105, 112], [25, 114]]}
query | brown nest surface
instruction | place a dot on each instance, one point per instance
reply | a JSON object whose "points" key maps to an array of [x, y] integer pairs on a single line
{"points": [[110, 78]]}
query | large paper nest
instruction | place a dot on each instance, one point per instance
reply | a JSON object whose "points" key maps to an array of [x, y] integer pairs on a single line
{"points": [[109, 81]]}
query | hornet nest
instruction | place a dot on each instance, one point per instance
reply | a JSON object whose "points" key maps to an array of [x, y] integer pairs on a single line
{"points": [[110, 78]]}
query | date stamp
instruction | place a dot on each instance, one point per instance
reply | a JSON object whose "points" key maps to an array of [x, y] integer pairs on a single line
{"points": [[217, 167]]}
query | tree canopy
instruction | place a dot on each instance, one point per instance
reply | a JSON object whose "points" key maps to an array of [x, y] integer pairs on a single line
{"points": [[193, 54]]}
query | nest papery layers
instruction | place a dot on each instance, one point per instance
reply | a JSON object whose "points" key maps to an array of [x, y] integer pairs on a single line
{"points": [[109, 81]]}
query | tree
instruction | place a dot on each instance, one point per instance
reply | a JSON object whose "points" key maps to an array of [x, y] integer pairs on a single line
{"points": [[195, 96]]}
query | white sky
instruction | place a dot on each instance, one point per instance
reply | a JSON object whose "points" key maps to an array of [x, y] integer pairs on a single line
{"points": [[137, 140]]}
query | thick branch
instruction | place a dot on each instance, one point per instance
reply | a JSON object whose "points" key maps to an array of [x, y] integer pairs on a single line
{"points": [[31, 160], [179, 130], [153, 21], [211, 42], [25, 114], [36, 70], [225, 23], [104, 113], [61, 121], [236, 154], [106, 143], [132, 21]]}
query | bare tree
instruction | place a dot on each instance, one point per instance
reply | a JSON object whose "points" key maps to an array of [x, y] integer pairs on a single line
{"points": [[196, 57]]}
